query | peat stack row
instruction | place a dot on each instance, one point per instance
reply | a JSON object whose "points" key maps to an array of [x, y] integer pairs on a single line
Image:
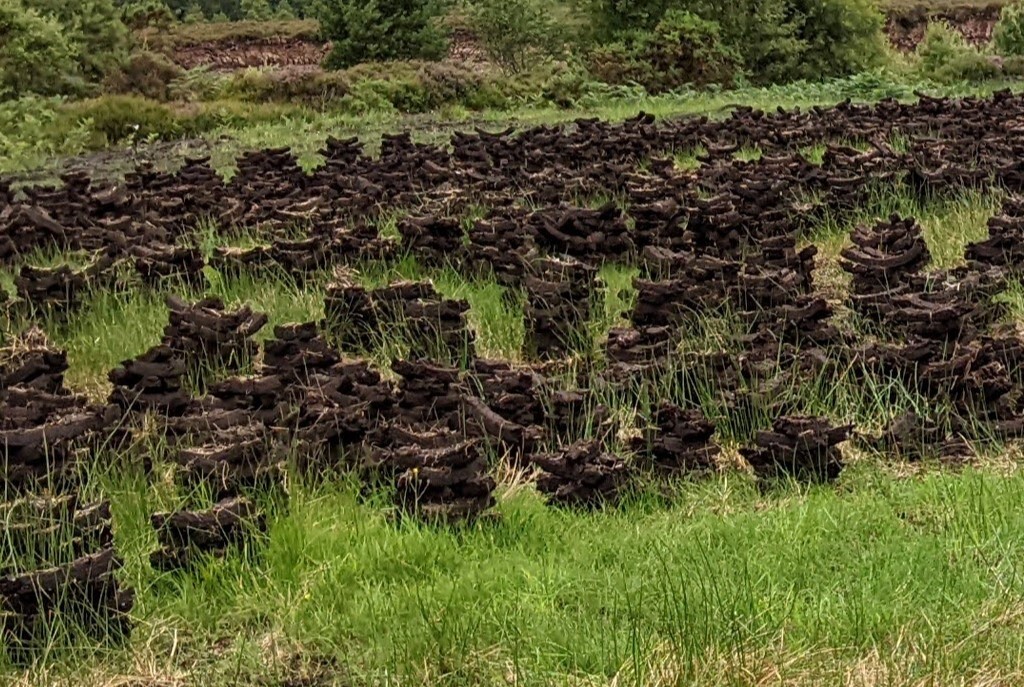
{"points": [[44, 530], [187, 537], [298, 352], [504, 407], [60, 289], [157, 263], [446, 483], [43, 437], [883, 260], [1004, 248], [803, 448], [207, 331], [558, 294], [582, 475], [677, 441], [151, 382], [230, 461], [412, 312], [84, 592], [31, 362]]}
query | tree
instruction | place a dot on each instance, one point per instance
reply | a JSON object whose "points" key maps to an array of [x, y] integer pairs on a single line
{"points": [[381, 30], [284, 10], [95, 31], [257, 10], [34, 55], [513, 31]]}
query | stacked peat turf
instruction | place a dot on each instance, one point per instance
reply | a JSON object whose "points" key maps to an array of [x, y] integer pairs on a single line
{"points": [[448, 484], [558, 294], [84, 592], [59, 289], [1004, 248], [157, 263], [51, 528], [428, 393], [260, 398], [582, 475], [298, 352], [436, 241], [207, 331], [234, 261], [414, 311], [42, 436], [582, 233], [230, 461], [186, 537], [505, 406], [30, 361], [804, 448], [438, 327], [882, 261], [152, 381], [678, 441], [337, 411]]}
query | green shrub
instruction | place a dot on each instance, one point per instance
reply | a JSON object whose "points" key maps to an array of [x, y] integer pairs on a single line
{"points": [[1008, 34], [945, 56], [117, 118], [143, 14], [31, 130], [199, 84], [256, 10], [1013, 66], [145, 73], [94, 28], [35, 57], [381, 30], [776, 40], [513, 32], [682, 50]]}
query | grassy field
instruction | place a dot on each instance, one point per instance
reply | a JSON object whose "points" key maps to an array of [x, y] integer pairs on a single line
{"points": [[897, 575]]}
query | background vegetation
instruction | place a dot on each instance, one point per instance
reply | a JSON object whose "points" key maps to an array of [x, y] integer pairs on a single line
{"points": [[110, 63]]}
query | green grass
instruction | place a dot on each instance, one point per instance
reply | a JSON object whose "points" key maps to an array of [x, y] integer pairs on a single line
{"points": [[906, 581]]}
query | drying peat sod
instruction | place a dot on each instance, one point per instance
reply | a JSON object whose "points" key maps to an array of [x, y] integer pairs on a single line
{"points": [[653, 402]]}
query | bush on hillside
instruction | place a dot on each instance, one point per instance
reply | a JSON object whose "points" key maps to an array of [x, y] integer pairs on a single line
{"points": [[34, 55], [145, 73], [513, 32], [381, 30], [945, 56], [1008, 34], [776, 40], [117, 118], [682, 50]]}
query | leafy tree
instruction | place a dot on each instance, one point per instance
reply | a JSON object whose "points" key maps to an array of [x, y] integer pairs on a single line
{"points": [[777, 40], [284, 10], [257, 10], [513, 31], [381, 30], [1009, 30], [35, 57], [94, 28]]}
